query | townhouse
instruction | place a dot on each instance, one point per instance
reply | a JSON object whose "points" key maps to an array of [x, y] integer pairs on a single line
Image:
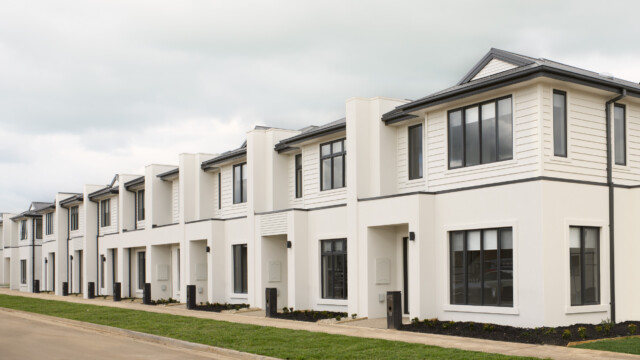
{"points": [[509, 198]]}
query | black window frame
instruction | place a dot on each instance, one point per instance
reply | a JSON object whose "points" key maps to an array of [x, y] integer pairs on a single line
{"points": [[23, 272], [105, 213], [243, 190], [482, 262], [142, 269], [583, 268], [23, 230], [297, 161], [38, 227], [240, 262], [140, 205], [332, 156], [624, 134], [219, 190], [103, 259], [411, 155], [333, 255], [564, 125], [48, 222], [464, 135], [74, 218]]}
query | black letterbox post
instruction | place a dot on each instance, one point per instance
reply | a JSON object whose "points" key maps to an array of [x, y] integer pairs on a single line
{"points": [[91, 290], [191, 297], [146, 296], [271, 302], [117, 291], [65, 288], [394, 310], [36, 286]]}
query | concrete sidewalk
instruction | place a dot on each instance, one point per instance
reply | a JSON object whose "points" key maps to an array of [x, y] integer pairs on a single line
{"points": [[349, 329]]}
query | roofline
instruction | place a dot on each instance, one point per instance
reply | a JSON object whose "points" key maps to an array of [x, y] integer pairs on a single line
{"points": [[167, 174], [284, 145], [494, 53], [502, 81], [72, 199], [238, 153], [104, 191], [134, 182]]}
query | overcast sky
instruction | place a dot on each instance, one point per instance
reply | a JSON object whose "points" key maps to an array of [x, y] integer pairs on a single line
{"points": [[89, 89]]}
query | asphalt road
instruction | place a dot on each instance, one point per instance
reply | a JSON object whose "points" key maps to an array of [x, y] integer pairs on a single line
{"points": [[26, 339]]}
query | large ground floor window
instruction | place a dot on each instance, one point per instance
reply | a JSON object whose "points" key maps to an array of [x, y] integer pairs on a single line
{"points": [[334, 268], [23, 271], [142, 270], [584, 264], [240, 269], [481, 267]]}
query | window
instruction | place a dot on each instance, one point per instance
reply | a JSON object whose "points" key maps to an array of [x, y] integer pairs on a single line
{"points": [[23, 271], [619, 132], [140, 209], [142, 270], [298, 164], [415, 152], [38, 228], [559, 123], [219, 191], [48, 218], [584, 264], [74, 218], [334, 268], [332, 164], [105, 217], [481, 267], [23, 230], [240, 183], [481, 133], [102, 261], [240, 269]]}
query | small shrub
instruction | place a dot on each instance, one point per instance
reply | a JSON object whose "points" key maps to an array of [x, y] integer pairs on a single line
{"points": [[632, 329], [582, 332], [354, 316], [338, 318], [548, 331], [488, 327], [598, 328], [524, 334], [606, 326], [445, 325], [452, 323], [415, 320], [471, 325], [566, 334], [291, 309], [285, 309]]}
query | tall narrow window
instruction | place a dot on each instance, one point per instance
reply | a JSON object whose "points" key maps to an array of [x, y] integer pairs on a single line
{"points": [[456, 140], [584, 264], [481, 271], [48, 219], [489, 133], [559, 123], [219, 190], [141, 204], [102, 261], [505, 129], [142, 270], [334, 268], [472, 136], [298, 165], [332, 165], [415, 152], [240, 269], [105, 213], [620, 136], [74, 218], [23, 230], [23, 272], [38, 228], [240, 183]]}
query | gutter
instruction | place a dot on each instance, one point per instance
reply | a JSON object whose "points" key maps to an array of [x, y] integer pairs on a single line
{"points": [[33, 254], [612, 277], [68, 238]]}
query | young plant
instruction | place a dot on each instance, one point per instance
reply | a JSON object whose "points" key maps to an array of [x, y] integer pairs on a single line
{"points": [[338, 318], [472, 325], [488, 327], [415, 320], [598, 328], [354, 316], [285, 309], [566, 334], [632, 329], [582, 332]]}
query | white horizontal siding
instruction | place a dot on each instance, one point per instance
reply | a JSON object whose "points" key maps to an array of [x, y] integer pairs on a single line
{"points": [[630, 174], [175, 201], [273, 224], [311, 194], [229, 209], [404, 184], [113, 227], [493, 67], [80, 230], [54, 220], [291, 179]]}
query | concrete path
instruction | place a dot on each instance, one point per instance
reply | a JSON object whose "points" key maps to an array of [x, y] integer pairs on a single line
{"points": [[350, 329]]}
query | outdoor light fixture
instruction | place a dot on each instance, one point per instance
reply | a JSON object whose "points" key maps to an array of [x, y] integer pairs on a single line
{"points": [[412, 236], [288, 244]]}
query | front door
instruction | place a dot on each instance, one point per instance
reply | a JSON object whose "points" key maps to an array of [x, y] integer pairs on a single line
{"points": [[53, 272], [405, 274]]}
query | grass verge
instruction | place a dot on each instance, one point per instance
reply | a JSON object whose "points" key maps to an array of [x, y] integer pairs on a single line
{"points": [[269, 341], [628, 345]]}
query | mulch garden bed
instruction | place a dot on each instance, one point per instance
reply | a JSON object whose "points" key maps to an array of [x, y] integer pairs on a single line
{"points": [[561, 335], [217, 307], [310, 315]]}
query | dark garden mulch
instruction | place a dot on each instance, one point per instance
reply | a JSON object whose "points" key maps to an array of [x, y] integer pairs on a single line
{"points": [[561, 335], [217, 307], [310, 315]]}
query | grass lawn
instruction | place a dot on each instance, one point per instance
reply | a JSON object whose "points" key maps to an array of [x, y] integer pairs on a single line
{"points": [[629, 345], [280, 343]]}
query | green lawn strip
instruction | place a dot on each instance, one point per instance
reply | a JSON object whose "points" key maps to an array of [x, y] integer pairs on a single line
{"points": [[269, 341], [629, 345]]}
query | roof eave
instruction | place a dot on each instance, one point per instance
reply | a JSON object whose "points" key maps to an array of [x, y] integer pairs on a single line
{"points": [[285, 145]]}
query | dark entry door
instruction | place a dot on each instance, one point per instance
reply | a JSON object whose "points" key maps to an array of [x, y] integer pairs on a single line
{"points": [[80, 271], [53, 273], [405, 273]]}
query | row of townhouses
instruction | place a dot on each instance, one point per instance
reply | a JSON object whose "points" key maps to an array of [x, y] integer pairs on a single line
{"points": [[512, 197]]}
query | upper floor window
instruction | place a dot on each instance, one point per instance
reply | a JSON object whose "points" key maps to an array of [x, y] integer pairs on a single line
{"points": [[298, 167], [48, 220], [559, 123], [620, 135], [105, 213], [481, 133], [219, 190], [39, 228], [415, 152], [584, 265], [332, 164], [240, 183], [140, 207], [23, 230], [74, 218]]}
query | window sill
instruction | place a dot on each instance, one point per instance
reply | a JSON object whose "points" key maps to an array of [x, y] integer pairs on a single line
{"points": [[333, 302], [482, 309], [586, 309]]}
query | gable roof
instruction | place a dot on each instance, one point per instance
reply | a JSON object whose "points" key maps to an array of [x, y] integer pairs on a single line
{"points": [[34, 208], [496, 54], [530, 69]]}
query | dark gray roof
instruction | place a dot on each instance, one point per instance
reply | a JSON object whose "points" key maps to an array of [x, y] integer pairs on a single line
{"points": [[134, 182], [72, 199], [34, 208], [312, 132], [167, 174], [104, 191], [526, 68], [229, 155]]}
